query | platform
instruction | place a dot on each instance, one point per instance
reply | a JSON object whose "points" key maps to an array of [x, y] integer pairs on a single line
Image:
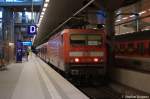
{"points": [[34, 79]]}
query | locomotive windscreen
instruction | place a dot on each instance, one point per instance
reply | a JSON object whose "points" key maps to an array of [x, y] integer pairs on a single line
{"points": [[86, 39]]}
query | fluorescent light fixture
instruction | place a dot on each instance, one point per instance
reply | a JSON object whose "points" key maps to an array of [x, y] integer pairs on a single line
{"points": [[125, 18], [41, 16], [132, 16], [118, 20], [40, 21], [146, 29], [11, 44], [94, 28], [45, 5], [46, 0], [118, 13], [140, 13], [44, 9], [42, 13]]}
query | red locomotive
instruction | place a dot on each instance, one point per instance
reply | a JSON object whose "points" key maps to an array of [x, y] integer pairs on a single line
{"points": [[76, 51]]}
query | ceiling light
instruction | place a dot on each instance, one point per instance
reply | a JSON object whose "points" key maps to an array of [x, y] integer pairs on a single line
{"points": [[11, 44], [45, 5], [41, 16], [94, 28], [140, 13], [46, 0], [43, 9], [42, 13], [146, 29], [132, 16], [118, 20], [40, 19], [125, 18]]}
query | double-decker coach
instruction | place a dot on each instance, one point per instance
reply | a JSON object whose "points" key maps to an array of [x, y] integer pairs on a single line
{"points": [[77, 51]]}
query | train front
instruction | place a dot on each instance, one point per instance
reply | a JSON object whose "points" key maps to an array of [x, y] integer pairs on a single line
{"points": [[87, 52]]}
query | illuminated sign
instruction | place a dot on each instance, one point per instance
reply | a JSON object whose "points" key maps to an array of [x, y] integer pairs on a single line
{"points": [[27, 43], [32, 30]]}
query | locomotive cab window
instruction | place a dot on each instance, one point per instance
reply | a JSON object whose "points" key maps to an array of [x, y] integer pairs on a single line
{"points": [[78, 40], [81, 39], [94, 40]]}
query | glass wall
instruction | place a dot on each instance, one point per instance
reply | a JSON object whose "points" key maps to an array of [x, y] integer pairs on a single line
{"points": [[26, 17], [133, 18]]}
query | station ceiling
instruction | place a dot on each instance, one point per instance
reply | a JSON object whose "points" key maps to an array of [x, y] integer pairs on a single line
{"points": [[60, 11]]}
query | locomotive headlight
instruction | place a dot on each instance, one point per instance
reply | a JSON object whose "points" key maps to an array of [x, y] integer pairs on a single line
{"points": [[76, 60], [98, 53], [96, 59]]}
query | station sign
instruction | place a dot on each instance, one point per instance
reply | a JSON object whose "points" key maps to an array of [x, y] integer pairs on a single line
{"points": [[27, 43], [32, 29]]}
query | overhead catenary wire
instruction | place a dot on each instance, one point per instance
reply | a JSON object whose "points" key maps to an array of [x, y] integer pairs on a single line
{"points": [[76, 13]]}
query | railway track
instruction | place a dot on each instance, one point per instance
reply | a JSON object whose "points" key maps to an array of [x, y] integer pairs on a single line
{"points": [[93, 90], [100, 92]]}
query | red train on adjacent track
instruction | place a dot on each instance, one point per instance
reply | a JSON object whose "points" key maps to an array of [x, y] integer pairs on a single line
{"points": [[133, 49]]}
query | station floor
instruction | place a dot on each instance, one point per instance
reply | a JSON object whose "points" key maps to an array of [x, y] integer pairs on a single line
{"points": [[29, 80]]}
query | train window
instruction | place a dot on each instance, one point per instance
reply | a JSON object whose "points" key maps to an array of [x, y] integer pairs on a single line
{"points": [[130, 48], [117, 49], [122, 48], [130, 45], [140, 47]]}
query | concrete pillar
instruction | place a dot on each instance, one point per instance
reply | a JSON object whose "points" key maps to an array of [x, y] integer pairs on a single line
{"points": [[110, 32]]}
